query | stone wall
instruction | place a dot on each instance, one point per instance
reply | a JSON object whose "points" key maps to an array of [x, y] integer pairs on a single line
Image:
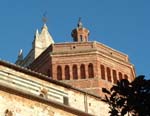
{"points": [[20, 106]]}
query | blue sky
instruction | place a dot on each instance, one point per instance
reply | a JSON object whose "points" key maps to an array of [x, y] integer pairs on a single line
{"points": [[121, 24]]}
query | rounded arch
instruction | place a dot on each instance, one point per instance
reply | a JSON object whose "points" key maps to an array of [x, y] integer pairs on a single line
{"points": [[82, 71], [125, 76], [67, 72], [75, 72], [90, 70], [59, 72], [109, 74], [102, 71]]}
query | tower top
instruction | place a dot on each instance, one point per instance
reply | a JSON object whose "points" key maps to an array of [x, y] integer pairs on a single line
{"points": [[80, 34]]}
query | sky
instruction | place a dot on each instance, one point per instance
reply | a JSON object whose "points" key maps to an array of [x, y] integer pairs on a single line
{"points": [[123, 25]]}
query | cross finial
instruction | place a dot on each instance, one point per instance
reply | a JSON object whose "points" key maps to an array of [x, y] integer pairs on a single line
{"points": [[44, 17]]}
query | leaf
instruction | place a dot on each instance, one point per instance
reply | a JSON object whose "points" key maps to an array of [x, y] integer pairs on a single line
{"points": [[121, 102], [105, 90], [124, 111]]}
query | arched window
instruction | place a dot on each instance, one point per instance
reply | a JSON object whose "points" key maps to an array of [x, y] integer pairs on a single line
{"points": [[102, 71], [115, 76], [67, 72], [91, 70], [82, 71], [120, 76], [75, 72], [59, 73], [109, 74], [125, 77]]}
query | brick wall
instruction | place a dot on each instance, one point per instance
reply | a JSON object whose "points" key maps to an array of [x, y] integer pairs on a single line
{"points": [[56, 58]]}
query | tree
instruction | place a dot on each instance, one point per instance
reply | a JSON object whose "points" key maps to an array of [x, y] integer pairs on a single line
{"points": [[131, 98]]}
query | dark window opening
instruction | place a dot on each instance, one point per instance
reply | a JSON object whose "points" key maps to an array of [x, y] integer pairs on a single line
{"points": [[91, 70], [115, 76], [102, 72], [75, 72], [65, 100], [82, 71], [59, 73], [109, 74], [67, 73]]}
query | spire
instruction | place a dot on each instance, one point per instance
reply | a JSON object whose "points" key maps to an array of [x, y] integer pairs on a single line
{"points": [[36, 36], [20, 57], [79, 23], [45, 27], [45, 37], [37, 32]]}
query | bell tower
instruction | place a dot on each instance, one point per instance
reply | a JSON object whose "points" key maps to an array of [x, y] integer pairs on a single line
{"points": [[80, 34]]}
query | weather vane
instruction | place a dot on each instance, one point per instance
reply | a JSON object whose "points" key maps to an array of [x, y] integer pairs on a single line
{"points": [[44, 17]]}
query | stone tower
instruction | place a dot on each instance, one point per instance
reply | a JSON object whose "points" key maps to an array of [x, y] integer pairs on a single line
{"points": [[40, 43], [87, 65]]}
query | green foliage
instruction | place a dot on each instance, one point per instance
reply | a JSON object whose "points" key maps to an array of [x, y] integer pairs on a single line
{"points": [[129, 97]]}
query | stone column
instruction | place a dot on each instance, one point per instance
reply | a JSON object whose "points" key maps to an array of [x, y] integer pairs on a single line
{"points": [[71, 75]]}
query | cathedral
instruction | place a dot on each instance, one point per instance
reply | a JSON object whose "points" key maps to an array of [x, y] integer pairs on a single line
{"points": [[62, 79]]}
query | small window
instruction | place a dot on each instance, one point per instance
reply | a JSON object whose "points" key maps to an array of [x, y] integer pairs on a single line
{"points": [[65, 100]]}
